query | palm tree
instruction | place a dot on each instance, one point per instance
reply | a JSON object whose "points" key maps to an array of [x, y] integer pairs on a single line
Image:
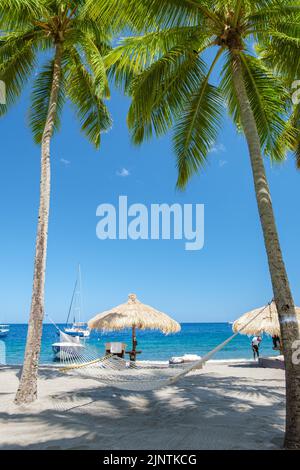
{"points": [[172, 85], [73, 68], [286, 37]]}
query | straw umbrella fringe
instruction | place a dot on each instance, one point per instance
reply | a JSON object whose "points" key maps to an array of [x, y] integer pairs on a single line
{"points": [[136, 315], [267, 322]]}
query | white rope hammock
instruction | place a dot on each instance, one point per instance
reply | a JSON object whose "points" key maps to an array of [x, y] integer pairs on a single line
{"points": [[119, 373]]}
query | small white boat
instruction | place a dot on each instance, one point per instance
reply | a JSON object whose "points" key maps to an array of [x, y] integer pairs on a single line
{"points": [[78, 329], [185, 359], [4, 330], [69, 347]]}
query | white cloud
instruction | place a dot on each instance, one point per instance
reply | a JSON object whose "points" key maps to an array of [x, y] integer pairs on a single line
{"points": [[218, 148], [222, 163], [65, 162], [123, 173]]}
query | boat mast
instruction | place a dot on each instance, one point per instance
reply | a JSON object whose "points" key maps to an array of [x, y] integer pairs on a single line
{"points": [[79, 293], [76, 301], [78, 298], [72, 301]]}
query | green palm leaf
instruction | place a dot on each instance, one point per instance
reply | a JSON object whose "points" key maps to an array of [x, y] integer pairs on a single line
{"points": [[285, 37], [35, 27], [196, 131], [97, 66], [268, 99], [152, 13], [16, 13], [86, 94], [160, 92], [17, 65], [40, 101], [197, 128], [228, 90], [135, 54], [293, 124]]}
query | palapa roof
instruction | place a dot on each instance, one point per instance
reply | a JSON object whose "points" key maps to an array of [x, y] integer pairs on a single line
{"points": [[265, 322], [134, 313]]}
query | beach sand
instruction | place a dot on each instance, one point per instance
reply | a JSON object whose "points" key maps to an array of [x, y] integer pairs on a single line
{"points": [[224, 406]]}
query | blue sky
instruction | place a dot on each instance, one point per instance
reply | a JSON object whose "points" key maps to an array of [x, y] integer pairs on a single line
{"points": [[218, 283]]}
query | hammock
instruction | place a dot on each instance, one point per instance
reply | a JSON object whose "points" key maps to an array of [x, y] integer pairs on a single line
{"points": [[118, 373]]}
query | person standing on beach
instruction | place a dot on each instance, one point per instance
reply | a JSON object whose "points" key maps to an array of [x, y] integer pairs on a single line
{"points": [[276, 342], [255, 343]]}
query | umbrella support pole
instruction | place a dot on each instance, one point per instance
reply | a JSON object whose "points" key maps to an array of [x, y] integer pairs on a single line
{"points": [[134, 344]]}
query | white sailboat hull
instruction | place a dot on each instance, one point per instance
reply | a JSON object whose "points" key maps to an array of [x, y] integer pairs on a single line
{"points": [[65, 351], [82, 333]]}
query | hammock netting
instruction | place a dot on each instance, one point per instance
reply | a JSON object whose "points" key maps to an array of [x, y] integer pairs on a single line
{"points": [[127, 375]]}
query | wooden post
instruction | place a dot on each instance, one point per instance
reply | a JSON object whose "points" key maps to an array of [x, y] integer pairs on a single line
{"points": [[134, 342]]}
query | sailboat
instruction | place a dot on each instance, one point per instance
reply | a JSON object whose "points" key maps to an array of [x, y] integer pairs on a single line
{"points": [[68, 347], [78, 328], [4, 330]]}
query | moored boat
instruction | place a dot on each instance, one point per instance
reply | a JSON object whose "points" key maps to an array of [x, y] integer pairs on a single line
{"points": [[4, 330], [69, 347], [78, 329]]}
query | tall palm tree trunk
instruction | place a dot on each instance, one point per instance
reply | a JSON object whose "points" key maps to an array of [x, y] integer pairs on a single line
{"points": [[282, 292], [27, 391]]}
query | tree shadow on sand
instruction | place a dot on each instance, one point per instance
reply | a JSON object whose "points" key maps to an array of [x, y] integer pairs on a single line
{"points": [[200, 412]]}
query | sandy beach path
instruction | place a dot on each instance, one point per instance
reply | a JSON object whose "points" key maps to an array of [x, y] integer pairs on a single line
{"points": [[224, 406]]}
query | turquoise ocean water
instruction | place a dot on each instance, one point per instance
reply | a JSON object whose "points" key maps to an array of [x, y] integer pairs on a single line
{"points": [[194, 338]]}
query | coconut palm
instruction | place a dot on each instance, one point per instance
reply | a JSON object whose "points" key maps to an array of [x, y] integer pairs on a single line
{"points": [[286, 37], [53, 41], [195, 60]]}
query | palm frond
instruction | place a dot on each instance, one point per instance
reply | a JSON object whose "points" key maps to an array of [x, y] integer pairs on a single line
{"points": [[196, 131], [17, 13], [135, 54], [17, 65], [281, 50], [87, 97], [274, 10], [268, 99], [11, 42], [161, 91], [40, 101], [197, 128], [147, 14], [228, 91], [97, 66], [293, 124], [86, 27]]}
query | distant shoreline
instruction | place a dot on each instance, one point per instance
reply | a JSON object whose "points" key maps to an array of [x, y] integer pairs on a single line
{"points": [[194, 338]]}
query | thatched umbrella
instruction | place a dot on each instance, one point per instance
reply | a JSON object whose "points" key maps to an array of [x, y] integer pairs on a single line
{"points": [[261, 320], [133, 314]]}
